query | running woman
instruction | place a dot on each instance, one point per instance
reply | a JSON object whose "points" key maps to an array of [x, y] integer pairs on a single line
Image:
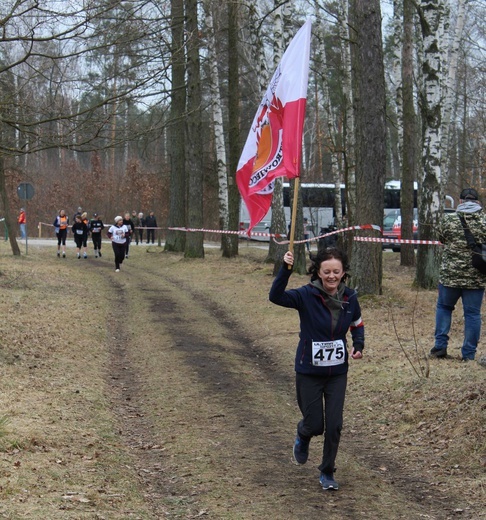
{"points": [[96, 226], [118, 235], [61, 223]]}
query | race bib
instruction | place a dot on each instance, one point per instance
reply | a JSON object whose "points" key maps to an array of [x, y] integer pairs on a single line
{"points": [[79, 231], [328, 353]]}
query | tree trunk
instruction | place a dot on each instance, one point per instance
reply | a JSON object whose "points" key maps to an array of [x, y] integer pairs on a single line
{"points": [[175, 240], [428, 256], [450, 89], [194, 241], [233, 125], [11, 230], [320, 64], [349, 157], [409, 139], [278, 223], [397, 46], [370, 131], [217, 120]]}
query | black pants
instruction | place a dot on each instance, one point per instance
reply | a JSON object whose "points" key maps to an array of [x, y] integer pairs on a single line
{"points": [[318, 419], [79, 241], [119, 250], [127, 245], [61, 237], [150, 234], [96, 241]]}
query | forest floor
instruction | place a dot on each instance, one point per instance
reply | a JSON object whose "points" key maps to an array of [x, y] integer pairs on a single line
{"points": [[167, 391]]}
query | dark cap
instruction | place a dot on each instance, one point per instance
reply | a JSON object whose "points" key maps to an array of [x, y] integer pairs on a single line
{"points": [[469, 194], [95, 214]]}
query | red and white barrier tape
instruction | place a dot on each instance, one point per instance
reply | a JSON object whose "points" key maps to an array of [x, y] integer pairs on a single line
{"points": [[278, 235], [225, 232], [350, 228], [398, 241]]}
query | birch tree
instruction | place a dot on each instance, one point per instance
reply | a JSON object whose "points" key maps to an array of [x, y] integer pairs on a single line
{"points": [[218, 129], [348, 137], [397, 46], [450, 87], [432, 14], [278, 222]]}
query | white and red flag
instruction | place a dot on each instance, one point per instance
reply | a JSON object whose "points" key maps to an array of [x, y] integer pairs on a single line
{"points": [[273, 147]]}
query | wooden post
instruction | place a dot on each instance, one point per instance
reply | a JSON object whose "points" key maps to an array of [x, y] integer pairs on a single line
{"points": [[294, 216]]}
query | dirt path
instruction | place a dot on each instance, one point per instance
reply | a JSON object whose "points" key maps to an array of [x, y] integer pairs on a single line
{"points": [[208, 415]]}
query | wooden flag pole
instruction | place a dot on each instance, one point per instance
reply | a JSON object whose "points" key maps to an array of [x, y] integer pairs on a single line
{"points": [[294, 216]]}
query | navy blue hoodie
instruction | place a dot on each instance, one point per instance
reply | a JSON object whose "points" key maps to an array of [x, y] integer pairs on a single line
{"points": [[316, 323]]}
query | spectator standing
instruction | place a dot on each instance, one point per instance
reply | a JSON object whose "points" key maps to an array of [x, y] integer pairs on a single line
{"points": [[118, 236], [150, 224], [22, 220], [79, 212], [61, 223], [80, 232], [128, 222], [142, 225], [306, 233], [136, 225], [96, 227], [84, 218], [458, 278]]}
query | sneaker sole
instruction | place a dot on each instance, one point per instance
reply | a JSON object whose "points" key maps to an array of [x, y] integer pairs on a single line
{"points": [[295, 461], [330, 488]]}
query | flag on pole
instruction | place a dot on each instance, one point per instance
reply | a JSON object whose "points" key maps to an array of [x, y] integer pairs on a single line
{"points": [[273, 147]]}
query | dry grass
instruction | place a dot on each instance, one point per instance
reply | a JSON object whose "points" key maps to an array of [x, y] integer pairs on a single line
{"points": [[60, 450], [177, 439]]}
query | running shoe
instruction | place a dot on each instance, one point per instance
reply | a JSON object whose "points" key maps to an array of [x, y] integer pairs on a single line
{"points": [[327, 481], [301, 449]]}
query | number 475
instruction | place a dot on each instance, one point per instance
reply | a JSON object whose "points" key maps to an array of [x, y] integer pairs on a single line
{"points": [[326, 354]]}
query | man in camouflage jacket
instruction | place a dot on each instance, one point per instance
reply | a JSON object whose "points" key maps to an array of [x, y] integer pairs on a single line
{"points": [[458, 278]]}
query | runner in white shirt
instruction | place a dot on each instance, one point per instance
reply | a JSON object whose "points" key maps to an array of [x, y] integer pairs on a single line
{"points": [[118, 235]]}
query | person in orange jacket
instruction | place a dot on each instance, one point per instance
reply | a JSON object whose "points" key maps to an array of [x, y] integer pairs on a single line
{"points": [[61, 224], [22, 222]]}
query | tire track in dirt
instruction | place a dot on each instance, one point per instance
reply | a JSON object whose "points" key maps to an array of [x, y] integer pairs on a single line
{"points": [[134, 428], [212, 360]]}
